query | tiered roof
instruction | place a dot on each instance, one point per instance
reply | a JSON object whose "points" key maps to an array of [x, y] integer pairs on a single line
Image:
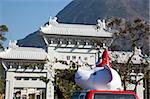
{"points": [[23, 53], [55, 28]]}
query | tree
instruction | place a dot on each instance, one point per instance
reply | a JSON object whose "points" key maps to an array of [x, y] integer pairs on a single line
{"points": [[127, 36], [64, 81], [3, 29], [2, 79], [64, 84]]}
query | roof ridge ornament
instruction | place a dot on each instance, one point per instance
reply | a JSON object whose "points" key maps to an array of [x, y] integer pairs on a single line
{"points": [[137, 51], [13, 44], [101, 24], [53, 20]]}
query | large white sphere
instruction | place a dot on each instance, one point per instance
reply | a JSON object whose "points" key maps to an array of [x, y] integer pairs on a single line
{"points": [[82, 75], [98, 78], [116, 81]]}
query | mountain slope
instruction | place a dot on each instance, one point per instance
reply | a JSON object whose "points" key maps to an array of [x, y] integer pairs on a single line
{"points": [[33, 40], [88, 11]]}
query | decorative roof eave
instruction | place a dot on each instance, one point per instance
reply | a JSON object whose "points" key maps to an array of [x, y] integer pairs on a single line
{"points": [[23, 56], [23, 53], [78, 34], [23, 60], [73, 36], [55, 28]]}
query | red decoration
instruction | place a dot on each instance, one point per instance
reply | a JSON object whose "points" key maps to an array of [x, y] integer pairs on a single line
{"points": [[105, 59]]}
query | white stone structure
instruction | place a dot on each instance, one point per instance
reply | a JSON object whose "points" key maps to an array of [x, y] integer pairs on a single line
{"points": [[23, 80], [74, 42], [65, 42]]}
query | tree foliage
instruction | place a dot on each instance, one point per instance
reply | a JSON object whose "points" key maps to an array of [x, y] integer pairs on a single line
{"points": [[65, 83], [128, 35], [2, 80], [3, 29]]}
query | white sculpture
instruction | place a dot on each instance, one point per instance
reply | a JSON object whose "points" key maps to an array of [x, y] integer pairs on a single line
{"points": [[101, 24], [52, 20], [102, 77], [13, 44]]}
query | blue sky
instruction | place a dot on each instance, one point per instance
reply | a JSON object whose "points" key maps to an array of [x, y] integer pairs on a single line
{"points": [[26, 16]]}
